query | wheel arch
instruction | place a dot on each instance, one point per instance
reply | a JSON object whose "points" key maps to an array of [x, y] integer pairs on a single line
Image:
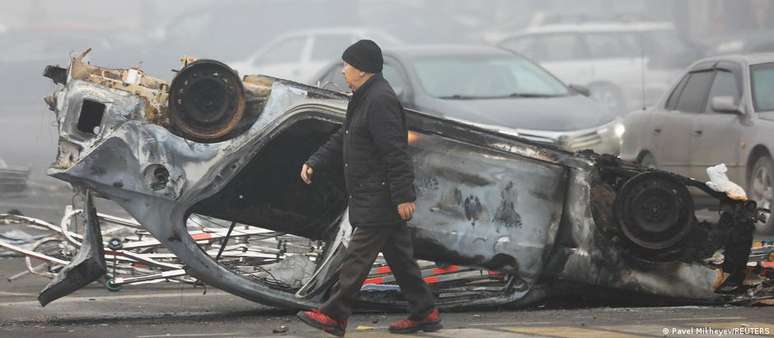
{"points": [[757, 152], [642, 153]]}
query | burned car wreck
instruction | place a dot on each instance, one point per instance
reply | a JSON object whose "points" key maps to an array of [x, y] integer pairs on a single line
{"points": [[530, 219]]}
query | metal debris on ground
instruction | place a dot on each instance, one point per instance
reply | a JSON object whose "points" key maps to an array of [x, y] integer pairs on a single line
{"points": [[135, 258], [280, 329]]}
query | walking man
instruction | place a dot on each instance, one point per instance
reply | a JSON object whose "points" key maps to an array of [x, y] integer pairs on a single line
{"points": [[372, 147]]}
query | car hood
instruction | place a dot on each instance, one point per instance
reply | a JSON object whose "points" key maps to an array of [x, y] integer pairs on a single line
{"points": [[562, 113]]}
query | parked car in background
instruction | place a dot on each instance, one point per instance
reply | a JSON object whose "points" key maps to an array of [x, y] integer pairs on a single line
{"points": [[497, 88], [26, 52], [208, 29], [758, 41], [626, 66], [721, 111], [299, 55]]}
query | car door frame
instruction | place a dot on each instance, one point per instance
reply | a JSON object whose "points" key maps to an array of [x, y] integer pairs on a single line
{"points": [[669, 125], [708, 147]]}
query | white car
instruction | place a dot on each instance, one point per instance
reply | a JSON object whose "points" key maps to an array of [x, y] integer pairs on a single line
{"points": [[300, 55], [626, 66]]}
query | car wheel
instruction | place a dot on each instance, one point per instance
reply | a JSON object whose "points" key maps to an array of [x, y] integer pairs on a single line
{"points": [[206, 101], [648, 161], [609, 97], [760, 189]]}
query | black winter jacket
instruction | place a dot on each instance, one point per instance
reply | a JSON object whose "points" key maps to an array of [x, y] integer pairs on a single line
{"points": [[372, 146]]}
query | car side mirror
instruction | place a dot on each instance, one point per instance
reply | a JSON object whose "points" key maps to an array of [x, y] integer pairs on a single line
{"points": [[725, 104], [582, 90]]}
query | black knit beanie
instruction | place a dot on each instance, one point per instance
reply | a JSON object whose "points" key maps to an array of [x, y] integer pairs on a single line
{"points": [[364, 55]]}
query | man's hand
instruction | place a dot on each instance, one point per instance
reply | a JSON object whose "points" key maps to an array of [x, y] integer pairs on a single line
{"points": [[306, 173], [406, 210]]}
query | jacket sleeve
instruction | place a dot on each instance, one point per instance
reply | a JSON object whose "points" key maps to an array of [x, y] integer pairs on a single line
{"points": [[329, 153], [387, 126]]}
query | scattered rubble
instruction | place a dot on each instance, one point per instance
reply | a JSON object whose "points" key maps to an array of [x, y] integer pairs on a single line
{"points": [[280, 329]]}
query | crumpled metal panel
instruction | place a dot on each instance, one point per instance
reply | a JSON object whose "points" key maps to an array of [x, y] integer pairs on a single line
{"points": [[87, 266], [485, 207]]}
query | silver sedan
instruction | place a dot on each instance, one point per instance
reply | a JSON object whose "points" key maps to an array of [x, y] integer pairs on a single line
{"points": [[721, 111]]}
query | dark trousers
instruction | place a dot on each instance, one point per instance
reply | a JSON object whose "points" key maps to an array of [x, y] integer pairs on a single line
{"points": [[396, 245]]}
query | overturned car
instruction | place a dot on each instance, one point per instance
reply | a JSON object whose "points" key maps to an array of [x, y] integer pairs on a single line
{"points": [[532, 220]]}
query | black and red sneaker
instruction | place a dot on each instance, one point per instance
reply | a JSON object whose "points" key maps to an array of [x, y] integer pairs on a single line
{"points": [[431, 323], [319, 320]]}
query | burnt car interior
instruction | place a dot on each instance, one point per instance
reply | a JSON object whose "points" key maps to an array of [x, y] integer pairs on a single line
{"points": [[268, 192]]}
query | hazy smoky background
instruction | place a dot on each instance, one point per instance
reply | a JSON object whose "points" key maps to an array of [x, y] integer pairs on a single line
{"points": [[154, 34]]}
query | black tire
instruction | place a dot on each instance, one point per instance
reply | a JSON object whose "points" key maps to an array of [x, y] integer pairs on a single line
{"points": [[654, 213], [759, 189]]}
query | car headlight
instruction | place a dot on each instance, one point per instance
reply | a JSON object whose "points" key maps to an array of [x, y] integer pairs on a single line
{"points": [[615, 128], [619, 129]]}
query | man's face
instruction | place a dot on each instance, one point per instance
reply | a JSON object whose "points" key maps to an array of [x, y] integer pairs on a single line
{"points": [[352, 76]]}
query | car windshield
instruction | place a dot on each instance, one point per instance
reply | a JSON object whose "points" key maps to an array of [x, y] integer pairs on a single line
{"points": [[763, 86], [485, 76]]}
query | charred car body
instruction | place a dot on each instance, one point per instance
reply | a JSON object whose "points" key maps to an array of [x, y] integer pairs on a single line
{"points": [[212, 143]]}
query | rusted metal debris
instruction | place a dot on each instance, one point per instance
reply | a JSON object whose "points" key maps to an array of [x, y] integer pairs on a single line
{"points": [[542, 220], [87, 266]]}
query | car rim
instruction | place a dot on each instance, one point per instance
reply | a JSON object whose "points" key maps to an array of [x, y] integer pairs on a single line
{"points": [[761, 187]]}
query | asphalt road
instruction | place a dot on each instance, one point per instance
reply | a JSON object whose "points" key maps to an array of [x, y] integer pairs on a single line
{"points": [[177, 310]]}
